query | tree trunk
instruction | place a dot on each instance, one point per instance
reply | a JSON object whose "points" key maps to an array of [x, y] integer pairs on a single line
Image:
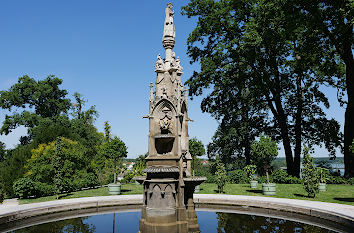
{"points": [[349, 112], [282, 121], [298, 127]]}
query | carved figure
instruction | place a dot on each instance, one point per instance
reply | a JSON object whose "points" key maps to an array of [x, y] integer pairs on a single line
{"points": [[159, 65], [178, 65], [165, 121], [169, 27]]}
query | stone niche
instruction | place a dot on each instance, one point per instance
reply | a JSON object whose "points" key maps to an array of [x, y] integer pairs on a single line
{"points": [[163, 129]]}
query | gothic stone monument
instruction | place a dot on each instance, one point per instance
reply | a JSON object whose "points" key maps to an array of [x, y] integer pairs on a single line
{"points": [[168, 186]]}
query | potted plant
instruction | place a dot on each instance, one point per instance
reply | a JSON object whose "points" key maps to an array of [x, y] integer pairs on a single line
{"points": [[264, 152], [250, 171], [115, 149], [323, 176]]}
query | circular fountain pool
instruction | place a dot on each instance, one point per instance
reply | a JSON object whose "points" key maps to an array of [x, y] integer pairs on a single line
{"points": [[216, 213], [123, 221]]}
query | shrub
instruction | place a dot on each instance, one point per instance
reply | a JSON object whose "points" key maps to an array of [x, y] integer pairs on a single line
{"points": [[238, 177], [42, 189], [279, 176], [336, 180], [309, 174], [282, 177], [323, 174], [293, 180], [1, 195], [351, 181], [262, 179], [221, 177], [250, 171], [24, 188]]}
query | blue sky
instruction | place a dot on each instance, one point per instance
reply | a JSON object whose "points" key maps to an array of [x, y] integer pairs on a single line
{"points": [[105, 50]]}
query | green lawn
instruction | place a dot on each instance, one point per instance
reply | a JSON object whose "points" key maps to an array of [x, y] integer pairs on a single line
{"points": [[343, 194]]}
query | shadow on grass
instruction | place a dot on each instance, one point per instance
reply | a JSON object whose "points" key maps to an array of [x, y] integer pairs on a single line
{"points": [[64, 195], [346, 199], [125, 190], [254, 191]]}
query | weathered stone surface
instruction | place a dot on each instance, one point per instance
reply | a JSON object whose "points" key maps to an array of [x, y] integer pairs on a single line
{"points": [[168, 188]]}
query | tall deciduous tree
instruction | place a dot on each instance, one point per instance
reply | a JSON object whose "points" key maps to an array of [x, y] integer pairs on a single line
{"points": [[332, 21], [262, 48], [38, 100]]}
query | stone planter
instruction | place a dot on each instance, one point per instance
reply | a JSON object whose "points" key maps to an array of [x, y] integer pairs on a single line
{"points": [[254, 184], [268, 189], [197, 189], [114, 189], [322, 187]]}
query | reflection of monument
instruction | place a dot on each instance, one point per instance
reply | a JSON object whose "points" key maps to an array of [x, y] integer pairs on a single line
{"points": [[168, 187]]}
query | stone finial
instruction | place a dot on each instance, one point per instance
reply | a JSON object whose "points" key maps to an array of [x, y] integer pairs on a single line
{"points": [[169, 27]]}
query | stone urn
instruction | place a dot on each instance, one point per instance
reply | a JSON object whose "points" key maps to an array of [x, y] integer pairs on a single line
{"points": [[268, 188], [322, 187], [254, 184], [114, 189]]}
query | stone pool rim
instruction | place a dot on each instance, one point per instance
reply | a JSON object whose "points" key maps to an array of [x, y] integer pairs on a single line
{"points": [[337, 213]]}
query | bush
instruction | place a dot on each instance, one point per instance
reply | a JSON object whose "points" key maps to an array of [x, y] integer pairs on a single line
{"points": [[293, 180], [279, 176], [24, 188], [250, 171], [1, 195], [282, 177], [336, 180], [42, 189], [262, 179], [351, 181], [238, 177]]}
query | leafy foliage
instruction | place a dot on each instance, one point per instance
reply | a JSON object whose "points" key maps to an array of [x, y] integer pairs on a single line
{"points": [[262, 69], [196, 148], [281, 177], [263, 153], [221, 176], [238, 177], [250, 171], [323, 174], [24, 188], [309, 174], [114, 149]]}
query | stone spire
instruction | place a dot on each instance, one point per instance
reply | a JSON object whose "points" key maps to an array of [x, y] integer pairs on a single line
{"points": [[168, 184], [169, 32]]}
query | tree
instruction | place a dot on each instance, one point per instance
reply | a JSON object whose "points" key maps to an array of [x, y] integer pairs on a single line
{"points": [[2, 151], [196, 148], [332, 22], [44, 96], [114, 149], [263, 153], [263, 48], [309, 174]]}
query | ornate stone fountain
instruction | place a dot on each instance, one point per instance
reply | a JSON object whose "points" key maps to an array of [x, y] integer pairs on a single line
{"points": [[168, 186]]}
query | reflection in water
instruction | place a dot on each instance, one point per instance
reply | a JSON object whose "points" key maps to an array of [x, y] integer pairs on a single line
{"points": [[239, 223], [209, 222]]}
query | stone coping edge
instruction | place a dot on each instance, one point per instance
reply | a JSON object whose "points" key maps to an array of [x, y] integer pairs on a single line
{"points": [[343, 214]]}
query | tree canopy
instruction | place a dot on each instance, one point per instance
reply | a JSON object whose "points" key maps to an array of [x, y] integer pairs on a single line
{"points": [[264, 70]]}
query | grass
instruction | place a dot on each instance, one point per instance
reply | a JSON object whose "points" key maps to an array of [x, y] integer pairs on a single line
{"points": [[343, 194], [126, 190]]}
